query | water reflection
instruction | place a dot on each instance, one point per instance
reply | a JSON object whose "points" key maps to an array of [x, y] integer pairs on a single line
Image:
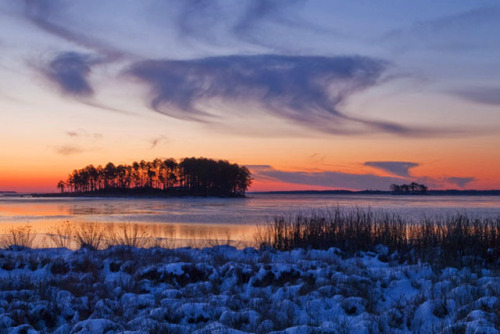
{"points": [[217, 219], [74, 235]]}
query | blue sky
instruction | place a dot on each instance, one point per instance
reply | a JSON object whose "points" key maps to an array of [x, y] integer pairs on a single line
{"points": [[262, 82]]}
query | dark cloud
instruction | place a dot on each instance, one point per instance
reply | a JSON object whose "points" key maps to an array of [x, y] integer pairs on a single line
{"points": [[316, 157], [305, 89], [70, 71], [326, 179], [82, 133], [157, 140], [333, 179], [483, 95], [400, 168], [68, 150], [462, 182]]}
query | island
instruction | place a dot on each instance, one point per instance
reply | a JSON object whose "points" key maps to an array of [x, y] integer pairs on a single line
{"points": [[189, 177]]}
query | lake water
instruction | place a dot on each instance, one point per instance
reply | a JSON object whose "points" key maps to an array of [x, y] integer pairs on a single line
{"points": [[220, 218]]}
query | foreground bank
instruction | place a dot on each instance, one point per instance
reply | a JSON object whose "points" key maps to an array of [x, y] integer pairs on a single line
{"points": [[225, 290]]}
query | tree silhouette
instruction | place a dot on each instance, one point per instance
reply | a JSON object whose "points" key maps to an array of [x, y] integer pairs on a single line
{"points": [[412, 188], [61, 185], [192, 176]]}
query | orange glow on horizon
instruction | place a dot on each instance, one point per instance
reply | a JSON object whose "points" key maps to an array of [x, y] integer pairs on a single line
{"points": [[47, 184]]}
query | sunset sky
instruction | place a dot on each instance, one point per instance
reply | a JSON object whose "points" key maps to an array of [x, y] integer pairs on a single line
{"points": [[315, 94]]}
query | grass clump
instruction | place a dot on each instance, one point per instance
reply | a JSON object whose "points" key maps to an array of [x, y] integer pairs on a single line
{"points": [[130, 235], [62, 235], [90, 236], [454, 240], [22, 236]]}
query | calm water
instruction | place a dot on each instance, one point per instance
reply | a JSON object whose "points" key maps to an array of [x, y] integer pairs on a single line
{"points": [[192, 218]]}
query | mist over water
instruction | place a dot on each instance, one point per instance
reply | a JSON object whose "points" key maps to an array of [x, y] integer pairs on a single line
{"points": [[223, 218]]}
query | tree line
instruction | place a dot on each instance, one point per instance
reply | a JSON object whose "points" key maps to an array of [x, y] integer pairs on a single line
{"points": [[412, 189], [190, 176]]}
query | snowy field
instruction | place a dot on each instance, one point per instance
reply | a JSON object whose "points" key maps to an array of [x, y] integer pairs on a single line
{"points": [[226, 290]]}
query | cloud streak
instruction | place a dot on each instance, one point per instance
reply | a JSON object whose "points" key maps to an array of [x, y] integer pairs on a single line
{"points": [[70, 71], [399, 168], [49, 16], [341, 180], [482, 95], [462, 182], [157, 140], [306, 89], [465, 31], [68, 150], [82, 133], [328, 179], [210, 20]]}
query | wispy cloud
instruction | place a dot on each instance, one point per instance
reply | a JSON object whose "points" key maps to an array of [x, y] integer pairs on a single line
{"points": [[70, 71], [327, 179], [82, 133], [157, 140], [482, 95], [342, 180], [306, 89], [469, 30], [68, 149], [216, 21], [462, 182], [79, 141], [400, 168], [50, 16]]}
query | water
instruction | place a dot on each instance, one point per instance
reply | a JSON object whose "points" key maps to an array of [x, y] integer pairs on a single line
{"points": [[221, 218]]}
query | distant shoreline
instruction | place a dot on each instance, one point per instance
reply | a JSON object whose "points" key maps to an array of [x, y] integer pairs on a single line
{"points": [[451, 192], [132, 193]]}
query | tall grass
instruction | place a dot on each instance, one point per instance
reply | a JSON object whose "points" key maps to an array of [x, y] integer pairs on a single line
{"points": [[21, 236], [62, 235], [90, 235], [459, 238], [126, 234]]}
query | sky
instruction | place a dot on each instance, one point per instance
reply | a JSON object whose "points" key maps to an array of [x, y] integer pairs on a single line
{"points": [[317, 94]]}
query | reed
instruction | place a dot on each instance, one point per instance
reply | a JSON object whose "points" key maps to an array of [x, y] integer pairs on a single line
{"points": [[457, 239], [127, 234], [22, 236]]}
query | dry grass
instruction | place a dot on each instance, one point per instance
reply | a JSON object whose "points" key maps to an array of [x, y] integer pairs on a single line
{"points": [[62, 236], [22, 236], [90, 235], [453, 240], [131, 235]]}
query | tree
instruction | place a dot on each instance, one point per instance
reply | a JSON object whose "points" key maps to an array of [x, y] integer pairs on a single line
{"points": [[413, 188], [61, 185], [192, 176], [109, 175], [395, 189]]}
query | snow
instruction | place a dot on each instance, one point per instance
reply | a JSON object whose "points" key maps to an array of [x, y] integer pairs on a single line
{"points": [[226, 290]]}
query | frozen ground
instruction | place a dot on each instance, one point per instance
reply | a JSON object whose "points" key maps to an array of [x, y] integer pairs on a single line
{"points": [[225, 290]]}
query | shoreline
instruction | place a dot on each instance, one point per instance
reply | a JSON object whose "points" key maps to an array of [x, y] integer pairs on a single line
{"points": [[249, 194]]}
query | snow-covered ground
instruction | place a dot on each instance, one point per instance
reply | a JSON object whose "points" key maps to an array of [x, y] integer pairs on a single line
{"points": [[226, 290]]}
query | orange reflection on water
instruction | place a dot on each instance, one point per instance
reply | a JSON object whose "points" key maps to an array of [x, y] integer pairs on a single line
{"points": [[65, 234]]}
